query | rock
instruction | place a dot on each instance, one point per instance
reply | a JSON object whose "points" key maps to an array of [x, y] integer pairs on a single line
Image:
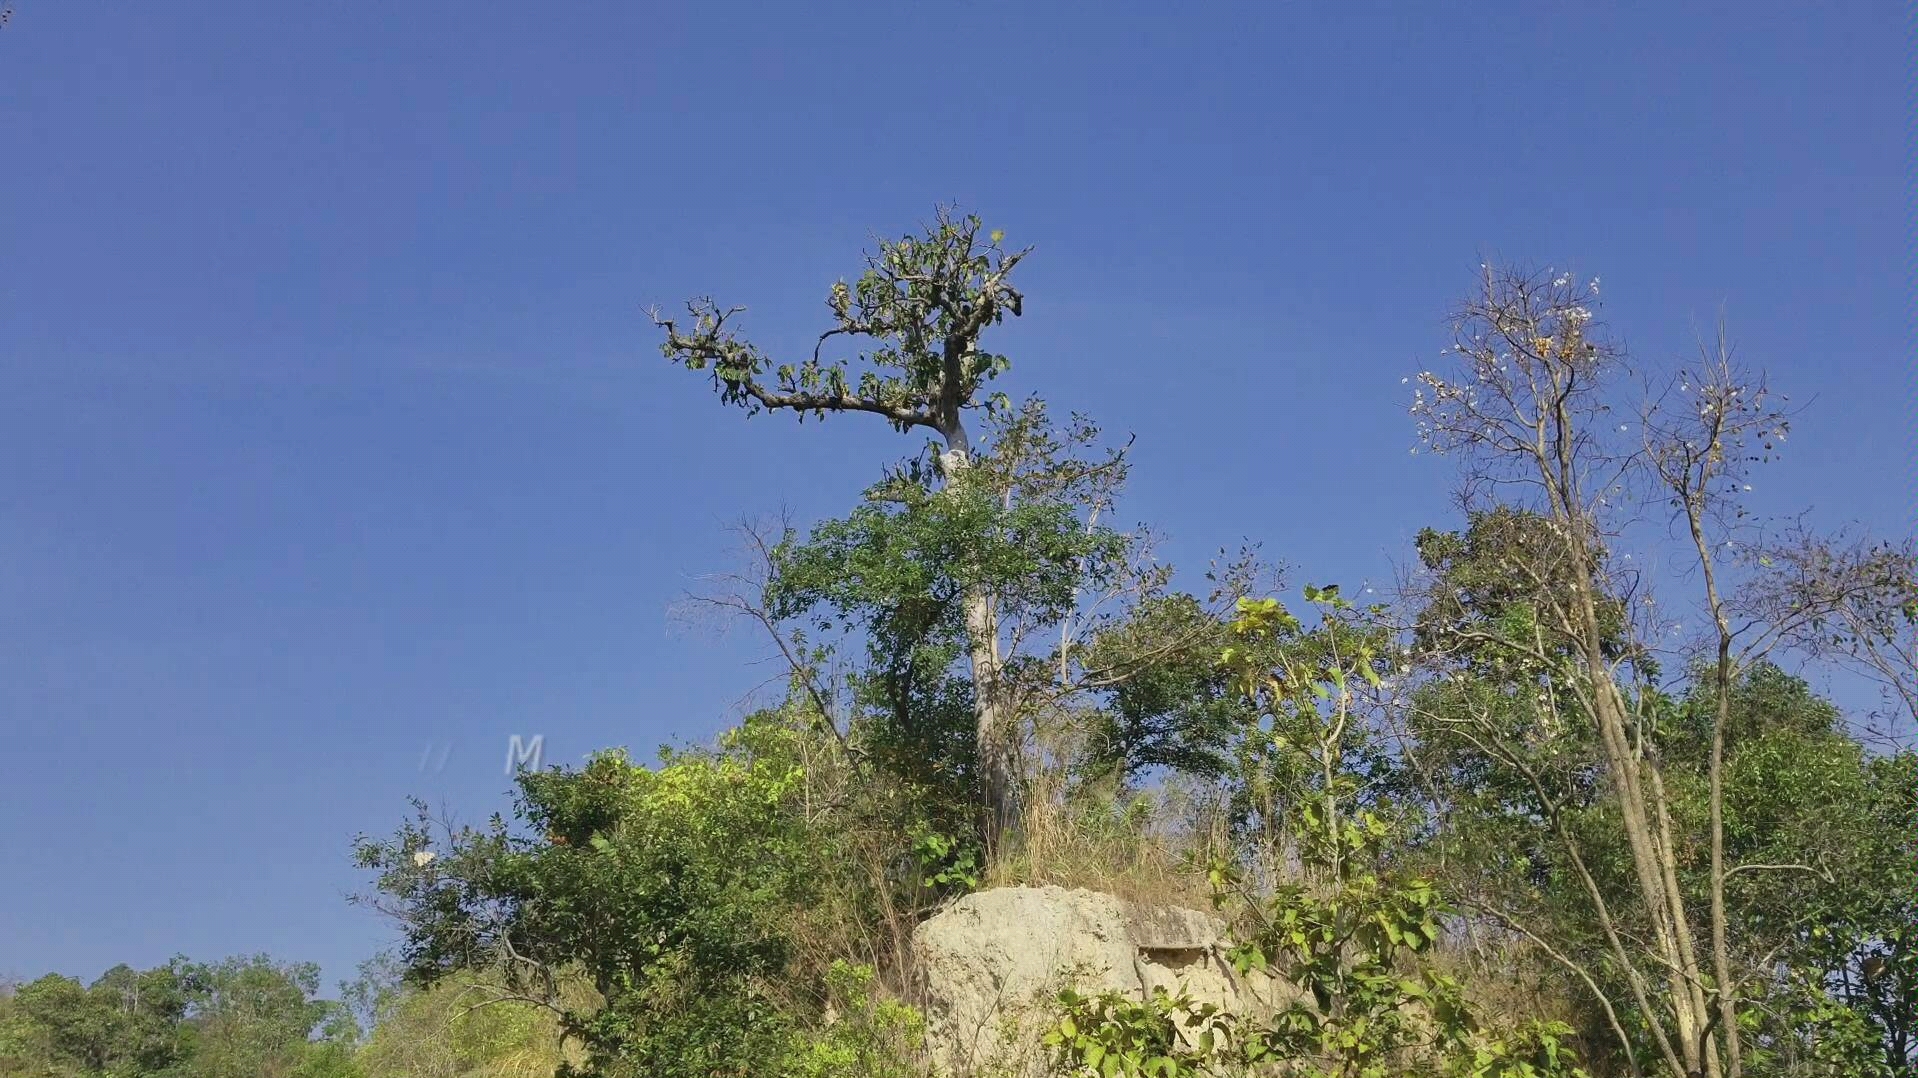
{"points": [[989, 965]]}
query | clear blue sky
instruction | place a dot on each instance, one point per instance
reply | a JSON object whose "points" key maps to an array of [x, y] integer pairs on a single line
{"points": [[331, 428]]}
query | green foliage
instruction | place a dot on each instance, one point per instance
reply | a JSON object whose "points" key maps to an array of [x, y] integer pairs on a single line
{"points": [[900, 561], [1845, 930], [1305, 760], [1111, 1035], [915, 316], [666, 888], [253, 1017], [250, 1017], [1504, 578], [893, 579], [1818, 847], [463, 1027], [693, 901], [127, 1022], [1370, 1006], [1180, 709], [1350, 932], [898, 571], [870, 1037], [945, 861]]}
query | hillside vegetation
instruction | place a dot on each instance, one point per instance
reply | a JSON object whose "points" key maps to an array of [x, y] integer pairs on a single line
{"points": [[1532, 811]]}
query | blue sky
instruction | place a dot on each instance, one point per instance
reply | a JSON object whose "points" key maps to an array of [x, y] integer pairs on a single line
{"points": [[333, 434]]}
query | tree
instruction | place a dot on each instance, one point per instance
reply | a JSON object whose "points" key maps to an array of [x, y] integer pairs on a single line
{"points": [[663, 889], [1824, 838], [147, 1007], [53, 1027], [253, 1017], [1849, 601], [1526, 409], [1552, 689], [453, 1030], [249, 1017], [1316, 896], [897, 572], [660, 916], [922, 308]]}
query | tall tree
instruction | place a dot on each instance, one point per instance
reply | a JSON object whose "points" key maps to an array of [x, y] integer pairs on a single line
{"points": [[253, 1017], [1554, 689], [915, 319], [1526, 410]]}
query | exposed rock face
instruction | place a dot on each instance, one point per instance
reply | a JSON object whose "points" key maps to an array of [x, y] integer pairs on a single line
{"points": [[989, 965]]}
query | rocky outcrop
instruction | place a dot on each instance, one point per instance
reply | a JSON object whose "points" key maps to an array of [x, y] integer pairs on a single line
{"points": [[988, 966]]}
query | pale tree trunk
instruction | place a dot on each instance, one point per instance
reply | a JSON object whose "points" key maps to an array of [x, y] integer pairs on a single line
{"points": [[1654, 861], [1654, 868], [1700, 1013], [993, 726], [1722, 674]]}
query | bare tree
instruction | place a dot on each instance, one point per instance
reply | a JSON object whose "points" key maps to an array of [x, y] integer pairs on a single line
{"points": [[1717, 421], [1554, 481], [1526, 411], [1849, 601]]}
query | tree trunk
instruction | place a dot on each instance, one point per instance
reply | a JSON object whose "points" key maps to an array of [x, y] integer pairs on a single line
{"points": [[992, 724], [1652, 862], [993, 727], [1722, 674], [1642, 811]]}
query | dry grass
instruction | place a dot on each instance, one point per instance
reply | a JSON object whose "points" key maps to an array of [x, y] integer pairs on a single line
{"points": [[1145, 846], [1508, 978]]}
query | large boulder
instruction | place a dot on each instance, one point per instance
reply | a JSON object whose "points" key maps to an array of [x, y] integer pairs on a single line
{"points": [[988, 966]]}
